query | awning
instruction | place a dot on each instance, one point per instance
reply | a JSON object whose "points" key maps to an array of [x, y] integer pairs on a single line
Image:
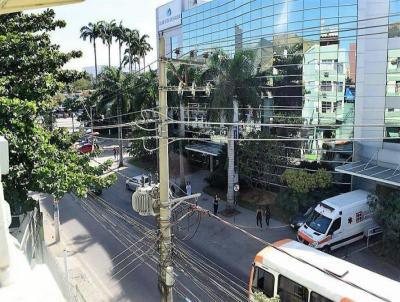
{"points": [[372, 171], [12, 6], [205, 148]]}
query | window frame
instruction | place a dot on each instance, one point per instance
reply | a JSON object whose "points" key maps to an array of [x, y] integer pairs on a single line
{"points": [[306, 293], [256, 280]]}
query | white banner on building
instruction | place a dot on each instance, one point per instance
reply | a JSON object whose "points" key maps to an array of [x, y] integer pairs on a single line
{"points": [[169, 15]]}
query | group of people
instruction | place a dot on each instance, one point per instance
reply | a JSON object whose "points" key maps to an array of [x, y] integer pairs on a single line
{"points": [[116, 152], [259, 214]]}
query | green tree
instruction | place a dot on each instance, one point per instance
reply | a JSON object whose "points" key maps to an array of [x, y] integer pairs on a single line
{"points": [[235, 86], [93, 32], [107, 30], [131, 40], [120, 33], [40, 160], [305, 189], [115, 90], [31, 75], [30, 65], [386, 210], [144, 48]]}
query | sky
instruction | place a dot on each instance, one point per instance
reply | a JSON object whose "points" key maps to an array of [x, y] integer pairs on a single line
{"points": [[139, 14]]}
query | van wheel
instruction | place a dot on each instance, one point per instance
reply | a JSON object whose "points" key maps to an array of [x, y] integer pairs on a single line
{"points": [[326, 249]]}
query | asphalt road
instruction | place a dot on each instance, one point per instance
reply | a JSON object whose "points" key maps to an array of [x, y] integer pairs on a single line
{"points": [[211, 264]]}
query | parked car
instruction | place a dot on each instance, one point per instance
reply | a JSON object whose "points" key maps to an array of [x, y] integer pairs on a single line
{"points": [[134, 182], [299, 219], [87, 148]]}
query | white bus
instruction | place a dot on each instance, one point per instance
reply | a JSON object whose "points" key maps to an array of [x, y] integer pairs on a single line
{"points": [[299, 273]]}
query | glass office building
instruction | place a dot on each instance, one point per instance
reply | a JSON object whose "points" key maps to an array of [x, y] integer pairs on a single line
{"points": [[305, 55], [328, 64]]}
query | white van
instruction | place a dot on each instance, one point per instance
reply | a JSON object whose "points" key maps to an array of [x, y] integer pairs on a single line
{"points": [[338, 221]]}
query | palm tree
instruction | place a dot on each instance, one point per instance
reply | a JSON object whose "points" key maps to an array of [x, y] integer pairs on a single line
{"points": [[91, 31], [120, 36], [115, 90], [131, 40], [234, 86], [107, 35], [144, 48]]}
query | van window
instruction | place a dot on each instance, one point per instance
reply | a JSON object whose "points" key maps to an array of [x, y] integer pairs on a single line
{"points": [[264, 281], [290, 291], [335, 226], [318, 298], [318, 222]]}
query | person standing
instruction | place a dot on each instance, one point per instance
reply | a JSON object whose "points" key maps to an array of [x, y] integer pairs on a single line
{"points": [[216, 201], [267, 214], [115, 153], [188, 188], [259, 217]]}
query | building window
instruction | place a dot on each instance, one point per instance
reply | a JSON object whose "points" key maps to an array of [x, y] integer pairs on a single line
{"points": [[397, 88], [326, 107], [289, 290], [326, 86], [392, 135]]}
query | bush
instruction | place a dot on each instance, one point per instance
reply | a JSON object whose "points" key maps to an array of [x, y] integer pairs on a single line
{"points": [[218, 179], [387, 214], [305, 189]]}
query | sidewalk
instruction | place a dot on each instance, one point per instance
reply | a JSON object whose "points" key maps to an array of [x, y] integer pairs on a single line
{"points": [[62, 256], [246, 218]]}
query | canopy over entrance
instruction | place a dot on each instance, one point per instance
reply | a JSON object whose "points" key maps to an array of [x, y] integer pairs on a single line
{"points": [[377, 168]]}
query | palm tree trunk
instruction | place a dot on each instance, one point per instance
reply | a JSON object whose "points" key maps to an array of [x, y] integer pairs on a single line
{"points": [[56, 217], [232, 173], [181, 134], [95, 58], [120, 60], [144, 63], [130, 62], [109, 55], [139, 64], [121, 160]]}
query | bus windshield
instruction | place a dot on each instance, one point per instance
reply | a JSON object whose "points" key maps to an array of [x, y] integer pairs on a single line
{"points": [[318, 222]]}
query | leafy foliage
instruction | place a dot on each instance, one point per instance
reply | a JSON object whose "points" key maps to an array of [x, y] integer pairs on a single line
{"points": [[386, 210], [234, 78], [137, 151], [260, 297], [31, 75], [40, 160], [261, 162], [30, 63], [302, 181], [305, 189]]}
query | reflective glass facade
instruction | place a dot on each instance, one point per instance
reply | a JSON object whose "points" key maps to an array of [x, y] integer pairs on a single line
{"points": [[306, 61], [392, 106]]}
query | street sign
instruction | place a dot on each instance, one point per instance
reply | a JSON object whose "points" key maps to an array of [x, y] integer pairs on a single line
{"points": [[236, 187]]}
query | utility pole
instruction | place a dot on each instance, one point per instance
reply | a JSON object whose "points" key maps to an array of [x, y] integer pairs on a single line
{"points": [[166, 270]]}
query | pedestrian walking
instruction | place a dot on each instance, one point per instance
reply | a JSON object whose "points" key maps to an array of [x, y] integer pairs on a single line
{"points": [[188, 188], [267, 215], [216, 201], [115, 153], [259, 217]]}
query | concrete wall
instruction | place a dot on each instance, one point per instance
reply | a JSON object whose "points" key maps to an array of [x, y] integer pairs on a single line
{"points": [[371, 74]]}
